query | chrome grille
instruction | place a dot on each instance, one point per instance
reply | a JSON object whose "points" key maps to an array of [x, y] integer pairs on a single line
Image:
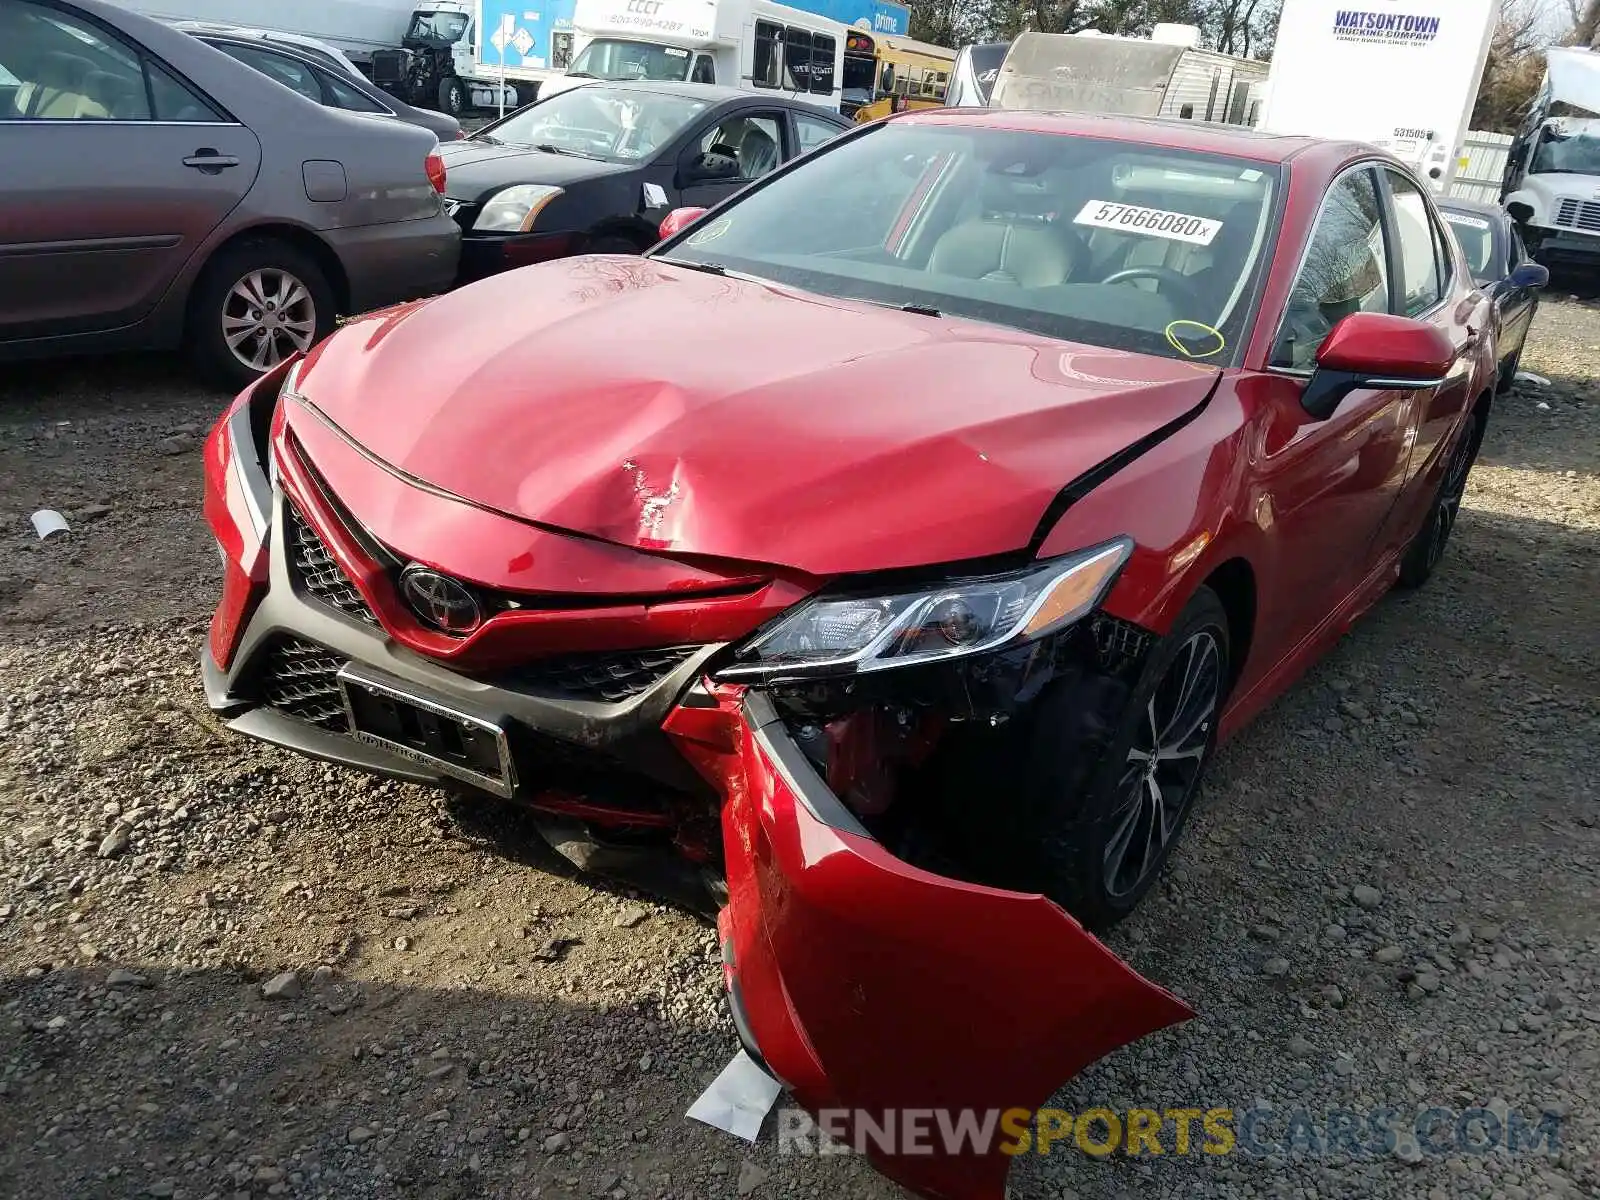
{"points": [[317, 573], [1579, 214], [300, 680], [612, 677]]}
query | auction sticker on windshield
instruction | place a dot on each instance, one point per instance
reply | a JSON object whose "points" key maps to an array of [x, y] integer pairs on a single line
{"points": [[1152, 222], [1465, 221]]}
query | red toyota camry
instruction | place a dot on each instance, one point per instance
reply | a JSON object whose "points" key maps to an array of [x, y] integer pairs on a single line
{"points": [[888, 550]]}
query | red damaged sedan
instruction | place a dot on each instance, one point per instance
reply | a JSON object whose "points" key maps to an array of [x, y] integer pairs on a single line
{"points": [[887, 551]]}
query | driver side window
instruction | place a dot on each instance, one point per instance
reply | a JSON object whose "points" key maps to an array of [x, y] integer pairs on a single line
{"points": [[1346, 270]]}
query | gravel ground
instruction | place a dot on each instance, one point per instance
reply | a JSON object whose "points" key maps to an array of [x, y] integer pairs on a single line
{"points": [[1388, 900]]}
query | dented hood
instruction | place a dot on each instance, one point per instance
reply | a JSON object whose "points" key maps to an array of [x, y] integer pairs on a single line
{"points": [[671, 410]]}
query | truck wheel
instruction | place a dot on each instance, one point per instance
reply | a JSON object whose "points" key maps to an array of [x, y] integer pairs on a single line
{"points": [[254, 305], [452, 97]]}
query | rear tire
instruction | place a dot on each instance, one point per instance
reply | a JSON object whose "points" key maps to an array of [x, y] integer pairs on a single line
{"points": [[1098, 844], [1508, 373], [1427, 548], [256, 303]]}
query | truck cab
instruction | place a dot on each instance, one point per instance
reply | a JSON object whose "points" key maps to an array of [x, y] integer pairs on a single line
{"points": [[1552, 180]]}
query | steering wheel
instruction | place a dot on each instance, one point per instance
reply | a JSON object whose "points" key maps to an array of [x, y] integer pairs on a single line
{"points": [[1167, 280]]}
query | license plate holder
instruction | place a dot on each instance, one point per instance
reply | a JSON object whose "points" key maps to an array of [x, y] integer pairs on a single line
{"points": [[431, 732]]}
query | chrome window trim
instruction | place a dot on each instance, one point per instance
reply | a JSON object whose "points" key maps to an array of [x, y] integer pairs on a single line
{"points": [[103, 121]]}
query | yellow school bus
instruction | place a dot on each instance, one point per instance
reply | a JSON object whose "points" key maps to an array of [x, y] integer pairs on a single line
{"points": [[884, 74]]}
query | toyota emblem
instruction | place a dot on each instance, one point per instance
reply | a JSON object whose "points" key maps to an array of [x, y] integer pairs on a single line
{"points": [[440, 600]]}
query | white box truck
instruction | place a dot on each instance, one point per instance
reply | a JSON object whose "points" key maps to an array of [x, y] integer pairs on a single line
{"points": [[1552, 181], [1165, 75], [1399, 74]]}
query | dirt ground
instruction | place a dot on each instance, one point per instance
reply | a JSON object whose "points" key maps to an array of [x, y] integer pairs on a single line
{"points": [[1389, 899]]}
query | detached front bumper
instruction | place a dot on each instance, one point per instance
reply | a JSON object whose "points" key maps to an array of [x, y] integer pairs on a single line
{"points": [[868, 986]]}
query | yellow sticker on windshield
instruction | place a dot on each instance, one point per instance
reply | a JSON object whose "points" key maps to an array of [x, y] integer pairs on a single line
{"points": [[710, 233], [1205, 342]]}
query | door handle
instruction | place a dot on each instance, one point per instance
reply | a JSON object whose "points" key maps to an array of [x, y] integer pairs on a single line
{"points": [[207, 159]]}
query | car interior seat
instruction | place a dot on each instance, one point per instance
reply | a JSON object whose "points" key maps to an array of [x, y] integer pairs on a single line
{"points": [[1013, 239], [58, 89], [116, 95], [758, 153]]}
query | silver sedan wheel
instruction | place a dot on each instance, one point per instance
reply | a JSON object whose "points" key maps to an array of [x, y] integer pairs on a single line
{"points": [[267, 316]]}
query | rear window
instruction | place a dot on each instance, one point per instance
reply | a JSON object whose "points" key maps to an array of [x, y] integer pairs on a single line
{"points": [[1476, 236]]}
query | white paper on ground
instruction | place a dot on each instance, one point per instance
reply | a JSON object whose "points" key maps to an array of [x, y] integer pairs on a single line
{"points": [[1530, 377], [738, 1099], [47, 522]]}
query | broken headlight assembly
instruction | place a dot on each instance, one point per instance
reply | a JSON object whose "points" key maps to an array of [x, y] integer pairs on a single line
{"points": [[834, 634]]}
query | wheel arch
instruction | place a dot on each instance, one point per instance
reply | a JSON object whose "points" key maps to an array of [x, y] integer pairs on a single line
{"points": [[301, 239], [1234, 582]]}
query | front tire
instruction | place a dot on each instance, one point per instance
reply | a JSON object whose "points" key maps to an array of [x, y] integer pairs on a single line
{"points": [[452, 97], [1102, 839], [255, 304]]}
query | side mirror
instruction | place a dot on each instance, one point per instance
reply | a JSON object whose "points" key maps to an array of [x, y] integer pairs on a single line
{"points": [[1528, 275], [713, 166], [1376, 350], [679, 219], [886, 80]]}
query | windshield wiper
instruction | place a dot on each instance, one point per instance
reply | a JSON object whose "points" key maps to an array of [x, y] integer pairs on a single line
{"points": [[708, 268], [550, 148], [922, 310]]}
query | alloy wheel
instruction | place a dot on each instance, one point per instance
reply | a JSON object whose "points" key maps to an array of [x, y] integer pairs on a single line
{"points": [[267, 316], [1451, 490], [1164, 762]]}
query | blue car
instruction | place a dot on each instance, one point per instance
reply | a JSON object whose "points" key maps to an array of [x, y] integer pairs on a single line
{"points": [[1501, 265]]}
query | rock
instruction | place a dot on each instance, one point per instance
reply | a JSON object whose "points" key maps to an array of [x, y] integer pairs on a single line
{"points": [[631, 918], [162, 1188], [35, 837], [1275, 966], [1265, 933], [1300, 1048], [1388, 954], [402, 943], [1332, 996], [1366, 896], [56, 1024], [175, 445], [358, 1135], [1427, 981], [750, 1178], [93, 512], [406, 912], [555, 949], [556, 1143], [284, 986], [1354, 709], [1334, 933], [120, 977], [115, 842], [477, 1135], [438, 1116]]}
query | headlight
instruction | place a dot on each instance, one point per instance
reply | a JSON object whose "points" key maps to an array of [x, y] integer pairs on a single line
{"points": [[513, 209], [852, 634]]}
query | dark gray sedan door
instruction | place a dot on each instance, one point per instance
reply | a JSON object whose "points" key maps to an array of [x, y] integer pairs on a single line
{"points": [[116, 173]]}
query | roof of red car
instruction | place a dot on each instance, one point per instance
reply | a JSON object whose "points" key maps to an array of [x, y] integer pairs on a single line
{"points": [[1171, 134]]}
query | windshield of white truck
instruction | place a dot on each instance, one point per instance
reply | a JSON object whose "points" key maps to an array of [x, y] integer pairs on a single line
{"points": [[595, 121], [609, 58], [1559, 153], [438, 26]]}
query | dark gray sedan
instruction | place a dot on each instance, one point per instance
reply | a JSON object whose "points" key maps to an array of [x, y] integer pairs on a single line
{"points": [[318, 77], [1501, 264], [158, 194]]}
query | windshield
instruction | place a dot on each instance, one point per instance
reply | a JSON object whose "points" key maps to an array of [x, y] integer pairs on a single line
{"points": [[1115, 244], [607, 58], [1560, 153], [619, 124], [1477, 241], [438, 26]]}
